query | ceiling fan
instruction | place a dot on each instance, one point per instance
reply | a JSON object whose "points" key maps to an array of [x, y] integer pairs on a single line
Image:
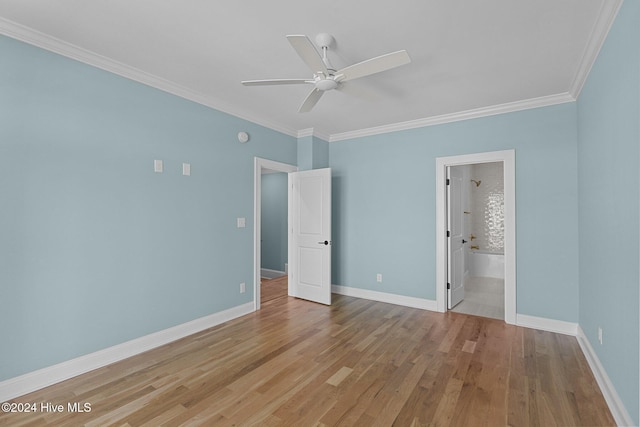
{"points": [[325, 76]]}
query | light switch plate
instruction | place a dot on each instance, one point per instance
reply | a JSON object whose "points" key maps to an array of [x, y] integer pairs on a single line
{"points": [[241, 222], [157, 166], [186, 169]]}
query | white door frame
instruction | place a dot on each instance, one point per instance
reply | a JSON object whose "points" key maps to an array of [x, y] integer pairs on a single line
{"points": [[508, 159], [261, 164]]}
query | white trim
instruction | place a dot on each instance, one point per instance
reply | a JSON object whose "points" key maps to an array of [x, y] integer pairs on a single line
{"points": [[492, 110], [32, 381], [609, 392], [258, 165], [312, 132], [413, 302], [52, 44], [606, 16], [305, 132], [549, 325], [507, 157]]}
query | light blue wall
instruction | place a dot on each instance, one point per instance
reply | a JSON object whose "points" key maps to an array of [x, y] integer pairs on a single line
{"points": [[320, 153], [313, 153], [384, 206], [274, 221], [95, 248], [609, 160]]}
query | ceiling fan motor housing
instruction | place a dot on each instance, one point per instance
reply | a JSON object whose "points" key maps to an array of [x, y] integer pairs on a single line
{"points": [[326, 84]]}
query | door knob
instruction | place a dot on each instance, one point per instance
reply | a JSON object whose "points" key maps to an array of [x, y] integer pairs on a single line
{"points": [[326, 242], [464, 241]]}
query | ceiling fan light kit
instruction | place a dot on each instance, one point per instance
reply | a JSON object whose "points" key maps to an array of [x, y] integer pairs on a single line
{"points": [[325, 76]]}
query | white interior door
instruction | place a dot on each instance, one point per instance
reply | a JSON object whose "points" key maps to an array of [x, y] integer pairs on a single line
{"points": [[310, 235], [455, 240]]}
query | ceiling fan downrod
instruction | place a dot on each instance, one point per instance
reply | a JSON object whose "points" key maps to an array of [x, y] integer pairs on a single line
{"points": [[325, 41]]}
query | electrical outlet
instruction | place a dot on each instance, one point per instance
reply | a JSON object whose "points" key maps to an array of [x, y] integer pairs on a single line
{"points": [[379, 278], [242, 288], [600, 335]]}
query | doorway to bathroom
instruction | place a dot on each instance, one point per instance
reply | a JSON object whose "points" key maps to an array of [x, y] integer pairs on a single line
{"points": [[475, 220]]}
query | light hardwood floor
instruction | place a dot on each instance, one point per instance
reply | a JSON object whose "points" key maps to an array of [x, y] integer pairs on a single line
{"points": [[273, 288], [357, 362]]}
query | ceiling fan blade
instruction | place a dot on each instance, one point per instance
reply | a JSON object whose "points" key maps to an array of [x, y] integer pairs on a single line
{"points": [[308, 53], [275, 82], [311, 100], [375, 65]]}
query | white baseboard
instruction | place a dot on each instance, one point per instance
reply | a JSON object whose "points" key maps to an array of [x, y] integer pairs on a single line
{"points": [[544, 324], [413, 302], [32, 381], [616, 406], [271, 274]]}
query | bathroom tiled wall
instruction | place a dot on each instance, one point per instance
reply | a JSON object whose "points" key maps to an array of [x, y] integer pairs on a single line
{"points": [[486, 217]]}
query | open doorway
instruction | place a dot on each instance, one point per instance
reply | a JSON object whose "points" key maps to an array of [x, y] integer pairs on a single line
{"points": [[443, 166], [274, 236], [267, 168], [273, 233], [475, 272]]}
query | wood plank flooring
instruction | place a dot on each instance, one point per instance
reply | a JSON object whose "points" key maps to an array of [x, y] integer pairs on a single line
{"points": [[273, 288], [355, 363]]}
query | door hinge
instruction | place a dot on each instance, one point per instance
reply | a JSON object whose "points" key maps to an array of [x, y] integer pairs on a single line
{"points": [[448, 233], [448, 181], [448, 285]]}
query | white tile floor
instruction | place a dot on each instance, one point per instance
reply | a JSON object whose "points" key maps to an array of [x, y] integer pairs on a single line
{"points": [[483, 296]]}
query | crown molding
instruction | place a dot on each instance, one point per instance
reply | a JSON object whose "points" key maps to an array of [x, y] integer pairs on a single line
{"points": [[305, 132], [320, 135], [313, 132], [52, 44], [543, 101], [608, 12]]}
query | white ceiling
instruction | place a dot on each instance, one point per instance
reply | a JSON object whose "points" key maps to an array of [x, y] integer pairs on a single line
{"points": [[469, 57]]}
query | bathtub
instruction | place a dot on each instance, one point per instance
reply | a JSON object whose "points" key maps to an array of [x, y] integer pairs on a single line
{"points": [[486, 264]]}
